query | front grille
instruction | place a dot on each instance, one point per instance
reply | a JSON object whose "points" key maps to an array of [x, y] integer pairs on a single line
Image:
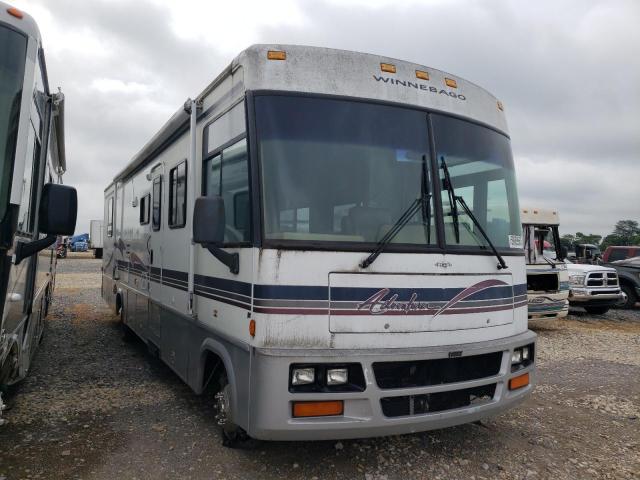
{"points": [[602, 279], [422, 373], [436, 402]]}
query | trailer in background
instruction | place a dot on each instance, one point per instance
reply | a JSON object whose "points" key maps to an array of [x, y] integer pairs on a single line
{"points": [[95, 238]]}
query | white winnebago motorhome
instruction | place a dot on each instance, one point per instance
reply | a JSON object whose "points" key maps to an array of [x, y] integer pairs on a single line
{"points": [[547, 275], [331, 241], [34, 208]]}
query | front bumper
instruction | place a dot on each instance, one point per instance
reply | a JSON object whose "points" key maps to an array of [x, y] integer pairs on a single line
{"points": [[594, 296], [271, 402]]}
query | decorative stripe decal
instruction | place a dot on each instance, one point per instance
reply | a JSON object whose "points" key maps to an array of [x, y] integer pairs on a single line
{"points": [[486, 296]]}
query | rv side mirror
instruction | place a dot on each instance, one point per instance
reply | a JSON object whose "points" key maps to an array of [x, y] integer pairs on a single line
{"points": [[56, 216], [565, 251], [58, 209], [209, 221], [208, 230]]}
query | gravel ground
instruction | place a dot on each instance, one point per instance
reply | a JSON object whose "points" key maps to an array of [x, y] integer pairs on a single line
{"points": [[97, 406]]}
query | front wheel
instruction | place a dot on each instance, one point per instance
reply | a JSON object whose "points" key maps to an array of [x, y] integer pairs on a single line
{"points": [[597, 310], [630, 296], [233, 436]]}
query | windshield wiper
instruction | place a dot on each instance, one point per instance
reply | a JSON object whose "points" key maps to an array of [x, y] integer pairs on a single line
{"points": [[422, 203], [453, 199]]}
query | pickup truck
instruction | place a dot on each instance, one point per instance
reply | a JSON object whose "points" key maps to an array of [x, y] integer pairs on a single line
{"points": [[594, 287], [629, 277]]}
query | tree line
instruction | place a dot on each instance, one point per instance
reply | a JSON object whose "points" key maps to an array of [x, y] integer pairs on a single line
{"points": [[626, 232]]}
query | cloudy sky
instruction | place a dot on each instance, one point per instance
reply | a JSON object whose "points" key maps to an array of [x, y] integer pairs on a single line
{"points": [[567, 71]]}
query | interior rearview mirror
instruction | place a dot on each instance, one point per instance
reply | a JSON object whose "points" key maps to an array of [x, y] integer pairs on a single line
{"points": [[57, 214]]}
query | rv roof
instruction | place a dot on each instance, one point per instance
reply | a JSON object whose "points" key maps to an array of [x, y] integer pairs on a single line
{"points": [[344, 73], [539, 216]]}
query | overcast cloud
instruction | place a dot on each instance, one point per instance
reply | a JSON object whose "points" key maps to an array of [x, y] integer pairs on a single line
{"points": [[568, 73]]}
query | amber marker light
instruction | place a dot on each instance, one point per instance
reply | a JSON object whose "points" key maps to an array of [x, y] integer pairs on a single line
{"points": [[14, 12], [252, 328], [276, 55], [318, 409], [422, 75], [388, 67], [500, 106], [450, 82], [519, 382]]}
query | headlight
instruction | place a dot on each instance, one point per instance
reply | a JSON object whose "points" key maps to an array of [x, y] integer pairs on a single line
{"points": [[337, 376], [303, 376], [521, 357], [576, 279], [516, 356]]}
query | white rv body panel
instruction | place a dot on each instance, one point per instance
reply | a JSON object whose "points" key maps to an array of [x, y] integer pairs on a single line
{"points": [[304, 304]]}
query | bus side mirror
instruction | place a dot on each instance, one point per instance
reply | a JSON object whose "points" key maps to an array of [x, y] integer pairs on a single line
{"points": [[56, 216], [58, 209], [209, 221], [208, 230]]}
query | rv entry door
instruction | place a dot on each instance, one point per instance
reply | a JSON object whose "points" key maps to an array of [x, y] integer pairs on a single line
{"points": [[155, 259]]}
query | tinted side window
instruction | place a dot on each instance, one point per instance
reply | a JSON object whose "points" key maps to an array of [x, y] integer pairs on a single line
{"points": [[618, 254], [110, 217], [157, 202], [234, 189], [178, 195], [144, 209]]}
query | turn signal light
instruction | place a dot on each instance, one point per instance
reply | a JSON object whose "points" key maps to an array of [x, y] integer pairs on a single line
{"points": [[318, 409], [14, 12], [252, 328], [519, 382], [276, 55]]}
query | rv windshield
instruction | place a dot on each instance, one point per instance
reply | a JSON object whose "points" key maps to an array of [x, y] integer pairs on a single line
{"points": [[345, 171], [12, 62]]}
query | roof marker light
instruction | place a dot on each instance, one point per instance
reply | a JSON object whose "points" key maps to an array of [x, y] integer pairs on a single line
{"points": [[388, 67], [422, 75], [14, 12], [500, 106], [276, 55], [450, 82]]}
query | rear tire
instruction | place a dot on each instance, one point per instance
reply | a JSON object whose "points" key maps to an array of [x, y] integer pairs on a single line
{"points": [[597, 310], [631, 296]]}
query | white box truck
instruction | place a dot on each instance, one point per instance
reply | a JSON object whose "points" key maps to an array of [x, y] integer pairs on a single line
{"points": [[95, 237]]}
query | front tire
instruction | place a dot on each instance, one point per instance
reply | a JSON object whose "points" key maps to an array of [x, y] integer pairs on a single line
{"points": [[597, 310], [631, 296], [233, 436]]}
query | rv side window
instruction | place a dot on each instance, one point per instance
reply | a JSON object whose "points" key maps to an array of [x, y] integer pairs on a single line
{"points": [[156, 212], [144, 209], [178, 195], [227, 175], [110, 217]]}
